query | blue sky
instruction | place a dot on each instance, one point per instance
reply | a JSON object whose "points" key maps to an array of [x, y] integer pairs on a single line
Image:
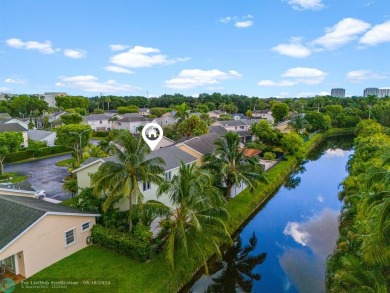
{"points": [[282, 48]]}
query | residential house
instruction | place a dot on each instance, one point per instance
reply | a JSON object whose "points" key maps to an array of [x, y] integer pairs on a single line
{"points": [[130, 122], [144, 111], [22, 121], [199, 146], [263, 114], [164, 142], [4, 117], [15, 127], [238, 126], [172, 155], [165, 120], [238, 116], [111, 113], [216, 114], [98, 122], [35, 234], [41, 135]]}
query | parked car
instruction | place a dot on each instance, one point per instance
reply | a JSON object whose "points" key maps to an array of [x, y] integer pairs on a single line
{"points": [[41, 194]]}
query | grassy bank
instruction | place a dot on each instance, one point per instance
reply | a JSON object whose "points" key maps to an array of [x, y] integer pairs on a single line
{"points": [[128, 275]]}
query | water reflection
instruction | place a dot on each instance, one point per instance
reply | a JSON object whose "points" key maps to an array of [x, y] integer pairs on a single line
{"points": [[305, 268], [235, 272], [343, 144], [294, 180]]}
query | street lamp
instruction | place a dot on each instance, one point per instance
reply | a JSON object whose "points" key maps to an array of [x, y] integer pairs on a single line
{"points": [[81, 146]]}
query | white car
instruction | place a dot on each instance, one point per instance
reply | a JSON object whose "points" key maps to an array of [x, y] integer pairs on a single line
{"points": [[41, 194]]}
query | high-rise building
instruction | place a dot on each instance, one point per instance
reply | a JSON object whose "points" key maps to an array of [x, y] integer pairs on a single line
{"points": [[338, 92], [50, 97], [371, 91], [384, 92]]}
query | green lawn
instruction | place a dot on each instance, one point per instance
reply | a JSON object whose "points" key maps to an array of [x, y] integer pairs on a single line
{"points": [[154, 276], [64, 163], [16, 177]]}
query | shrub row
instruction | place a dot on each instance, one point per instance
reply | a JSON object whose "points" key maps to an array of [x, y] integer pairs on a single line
{"points": [[26, 154], [124, 243], [100, 133]]}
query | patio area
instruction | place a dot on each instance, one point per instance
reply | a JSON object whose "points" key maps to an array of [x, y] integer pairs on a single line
{"points": [[8, 274]]}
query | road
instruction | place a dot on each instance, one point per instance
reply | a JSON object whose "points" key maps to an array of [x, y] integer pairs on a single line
{"points": [[44, 174]]}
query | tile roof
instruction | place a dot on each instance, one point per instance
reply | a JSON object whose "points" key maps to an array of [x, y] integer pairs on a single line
{"points": [[19, 212], [12, 127], [38, 134]]}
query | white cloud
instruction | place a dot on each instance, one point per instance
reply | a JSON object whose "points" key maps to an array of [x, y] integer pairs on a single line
{"points": [[44, 48], [297, 75], [312, 94], [90, 83], [118, 69], [118, 47], [378, 34], [139, 56], [306, 4], [293, 49], [14, 81], [191, 78], [295, 230], [225, 19], [320, 198], [336, 153], [243, 24], [239, 21], [341, 33], [305, 75], [75, 53], [282, 83], [361, 75]]}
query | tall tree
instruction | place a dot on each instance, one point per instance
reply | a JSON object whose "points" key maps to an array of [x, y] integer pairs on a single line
{"points": [[279, 111], [74, 136], [120, 178], [196, 215], [231, 166], [182, 111], [9, 143]]}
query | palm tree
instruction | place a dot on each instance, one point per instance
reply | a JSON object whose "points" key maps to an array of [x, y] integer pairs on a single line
{"points": [[196, 216], [121, 178], [230, 164], [107, 100], [182, 111], [237, 266]]}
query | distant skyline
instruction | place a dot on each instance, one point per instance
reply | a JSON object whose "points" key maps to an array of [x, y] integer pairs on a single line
{"points": [[279, 48]]}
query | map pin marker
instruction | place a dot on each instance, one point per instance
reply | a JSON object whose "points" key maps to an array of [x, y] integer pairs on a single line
{"points": [[152, 133]]}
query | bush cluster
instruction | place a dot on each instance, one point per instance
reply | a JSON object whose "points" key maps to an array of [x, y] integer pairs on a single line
{"points": [[124, 243], [26, 154]]}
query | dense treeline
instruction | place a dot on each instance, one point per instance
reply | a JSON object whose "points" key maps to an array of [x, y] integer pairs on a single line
{"points": [[361, 259]]}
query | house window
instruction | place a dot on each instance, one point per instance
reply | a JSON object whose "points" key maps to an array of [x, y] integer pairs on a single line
{"points": [[70, 237], [86, 226], [168, 176], [101, 122], [235, 127], [146, 186], [242, 127], [119, 123]]}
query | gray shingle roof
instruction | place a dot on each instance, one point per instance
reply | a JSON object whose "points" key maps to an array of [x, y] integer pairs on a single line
{"points": [[203, 144], [38, 134], [12, 127], [19, 212], [96, 117], [132, 117], [232, 123], [217, 129]]}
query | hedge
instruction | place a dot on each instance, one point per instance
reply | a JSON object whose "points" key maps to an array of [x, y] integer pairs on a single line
{"points": [[123, 243], [100, 133], [25, 155]]}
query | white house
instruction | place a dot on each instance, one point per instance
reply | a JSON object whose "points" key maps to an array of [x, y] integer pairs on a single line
{"points": [[98, 122], [15, 127], [263, 114], [165, 120], [23, 122], [130, 122], [172, 156], [216, 114], [41, 135], [144, 111]]}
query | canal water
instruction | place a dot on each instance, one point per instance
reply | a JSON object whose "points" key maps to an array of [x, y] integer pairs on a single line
{"points": [[284, 247]]}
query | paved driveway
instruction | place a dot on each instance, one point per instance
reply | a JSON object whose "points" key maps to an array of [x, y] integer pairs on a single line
{"points": [[44, 174]]}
